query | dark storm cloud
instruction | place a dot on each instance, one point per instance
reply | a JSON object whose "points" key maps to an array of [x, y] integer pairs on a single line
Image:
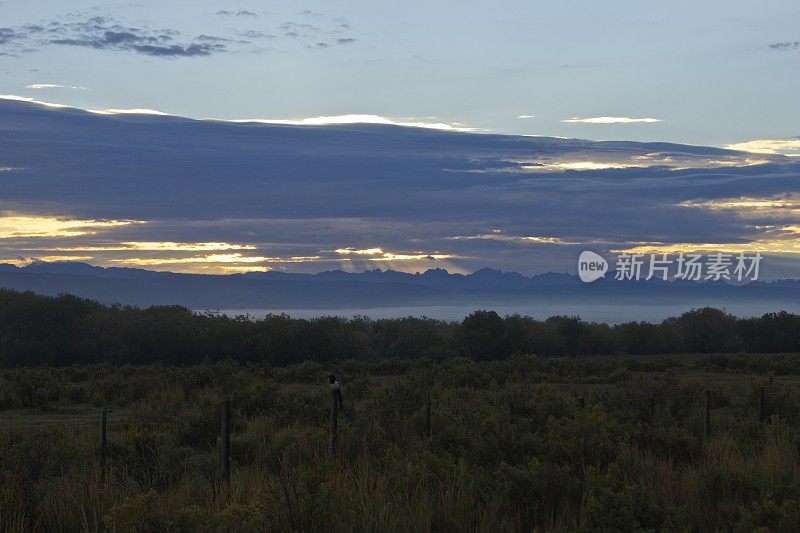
{"points": [[300, 190]]}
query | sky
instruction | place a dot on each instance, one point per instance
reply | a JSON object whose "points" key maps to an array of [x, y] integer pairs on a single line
{"points": [[287, 178], [169, 193], [710, 73]]}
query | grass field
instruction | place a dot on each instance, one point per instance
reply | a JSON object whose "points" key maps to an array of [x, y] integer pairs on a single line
{"points": [[518, 444]]}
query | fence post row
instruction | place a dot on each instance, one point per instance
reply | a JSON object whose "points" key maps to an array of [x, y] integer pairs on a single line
{"points": [[225, 434], [225, 428]]}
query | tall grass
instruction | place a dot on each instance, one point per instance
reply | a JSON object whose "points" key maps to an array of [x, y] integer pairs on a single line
{"points": [[508, 452]]}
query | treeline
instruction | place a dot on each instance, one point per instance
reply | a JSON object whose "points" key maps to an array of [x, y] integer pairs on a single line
{"points": [[66, 330]]}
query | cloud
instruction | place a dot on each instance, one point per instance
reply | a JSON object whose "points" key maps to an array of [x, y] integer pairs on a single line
{"points": [[364, 251], [781, 206], [312, 121], [294, 192], [790, 147], [13, 225], [497, 235], [787, 246], [55, 86], [769, 239], [582, 165], [111, 111], [105, 33], [240, 13], [378, 254], [7, 35], [324, 30], [31, 100], [255, 34], [140, 111], [614, 161], [357, 119], [24, 261], [786, 45], [212, 258], [153, 246], [297, 27], [215, 263], [609, 120], [526, 116]]}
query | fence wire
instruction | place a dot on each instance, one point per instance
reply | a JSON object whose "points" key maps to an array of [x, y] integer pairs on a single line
{"points": [[207, 462]]}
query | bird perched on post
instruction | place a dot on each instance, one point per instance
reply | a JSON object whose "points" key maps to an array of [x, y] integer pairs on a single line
{"points": [[336, 388]]}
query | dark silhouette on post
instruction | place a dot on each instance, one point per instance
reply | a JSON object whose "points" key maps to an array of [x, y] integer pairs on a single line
{"points": [[103, 445], [336, 388], [225, 434], [707, 415]]}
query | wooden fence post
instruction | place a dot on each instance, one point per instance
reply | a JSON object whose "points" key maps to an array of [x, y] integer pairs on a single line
{"points": [[707, 415], [761, 404], [581, 402], [103, 445], [428, 416], [334, 422], [225, 434]]}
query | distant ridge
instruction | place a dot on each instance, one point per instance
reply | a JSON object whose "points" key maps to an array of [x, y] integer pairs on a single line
{"points": [[434, 277], [375, 288]]}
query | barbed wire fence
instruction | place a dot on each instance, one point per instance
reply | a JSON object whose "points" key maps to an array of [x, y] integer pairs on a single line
{"points": [[209, 472]]}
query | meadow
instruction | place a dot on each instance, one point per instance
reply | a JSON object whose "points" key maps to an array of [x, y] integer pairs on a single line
{"points": [[516, 444]]}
